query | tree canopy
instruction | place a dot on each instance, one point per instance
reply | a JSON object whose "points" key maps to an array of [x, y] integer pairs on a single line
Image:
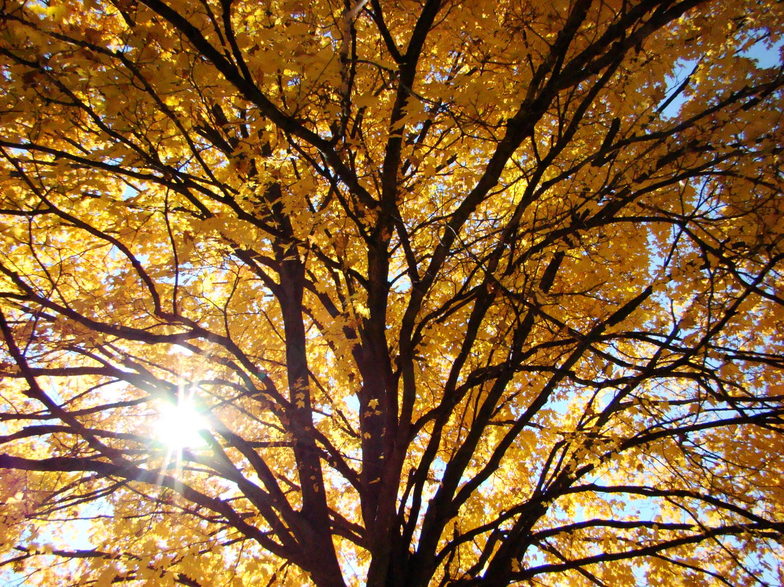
{"points": [[405, 293]]}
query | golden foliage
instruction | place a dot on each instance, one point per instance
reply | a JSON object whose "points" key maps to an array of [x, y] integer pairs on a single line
{"points": [[456, 292]]}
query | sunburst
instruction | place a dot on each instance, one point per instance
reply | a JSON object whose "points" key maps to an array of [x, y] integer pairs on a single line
{"points": [[179, 426]]}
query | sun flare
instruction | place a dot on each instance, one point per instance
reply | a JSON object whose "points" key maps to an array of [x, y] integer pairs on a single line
{"points": [[178, 426]]}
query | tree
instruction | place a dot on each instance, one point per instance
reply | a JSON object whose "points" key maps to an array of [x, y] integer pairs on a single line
{"points": [[453, 292]]}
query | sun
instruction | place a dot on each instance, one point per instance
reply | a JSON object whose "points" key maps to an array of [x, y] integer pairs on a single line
{"points": [[179, 424]]}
